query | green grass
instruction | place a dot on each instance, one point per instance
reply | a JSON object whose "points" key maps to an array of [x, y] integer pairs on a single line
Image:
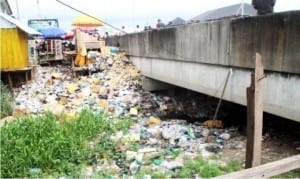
{"points": [[6, 100], [147, 171], [205, 169], [291, 174], [56, 147]]}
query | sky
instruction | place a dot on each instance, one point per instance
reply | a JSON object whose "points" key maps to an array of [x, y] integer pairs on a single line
{"points": [[127, 13]]}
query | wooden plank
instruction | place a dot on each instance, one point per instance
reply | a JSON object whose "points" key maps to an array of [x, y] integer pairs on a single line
{"points": [[255, 115], [250, 125], [258, 109], [267, 170], [33, 72], [10, 83], [16, 69], [26, 77], [71, 53]]}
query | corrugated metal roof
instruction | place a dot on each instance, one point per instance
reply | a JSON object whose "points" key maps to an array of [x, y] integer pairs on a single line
{"points": [[9, 22], [233, 10], [177, 21]]}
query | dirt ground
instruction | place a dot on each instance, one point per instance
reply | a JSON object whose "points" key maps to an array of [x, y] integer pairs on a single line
{"points": [[281, 139]]}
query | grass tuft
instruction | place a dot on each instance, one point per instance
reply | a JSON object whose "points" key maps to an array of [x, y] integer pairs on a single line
{"points": [[205, 169], [46, 146]]}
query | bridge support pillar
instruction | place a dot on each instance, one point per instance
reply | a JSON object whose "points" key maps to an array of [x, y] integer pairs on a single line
{"points": [[150, 84]]}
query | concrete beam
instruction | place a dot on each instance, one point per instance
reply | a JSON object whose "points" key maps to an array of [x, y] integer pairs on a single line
{"points": [[281, 92], [150, 84]]}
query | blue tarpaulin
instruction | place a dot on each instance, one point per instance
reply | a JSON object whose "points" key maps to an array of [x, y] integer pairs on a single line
{"points": [[52, 32]]}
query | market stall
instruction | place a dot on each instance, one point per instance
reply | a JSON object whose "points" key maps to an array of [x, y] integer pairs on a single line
{"points": [[50, 47]]}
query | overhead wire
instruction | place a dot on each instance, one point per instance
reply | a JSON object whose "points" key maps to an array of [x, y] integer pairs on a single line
{"points": [[73, 8]]}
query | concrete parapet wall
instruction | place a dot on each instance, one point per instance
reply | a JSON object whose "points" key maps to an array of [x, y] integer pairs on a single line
{"points": [[225, 42], [276, 37]]}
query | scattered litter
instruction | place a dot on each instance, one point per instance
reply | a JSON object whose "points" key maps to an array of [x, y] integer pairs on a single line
{"points": [[157, 161], [213, 123], [153, 120], [225, 136]]}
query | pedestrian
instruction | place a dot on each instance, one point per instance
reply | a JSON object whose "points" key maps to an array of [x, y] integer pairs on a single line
{"points": [[159, 24], [137, 28], [106, 35], [37, 47]]}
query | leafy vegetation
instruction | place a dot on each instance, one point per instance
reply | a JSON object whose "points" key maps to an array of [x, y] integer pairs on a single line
{"points": [[205, 169], [6, 100], [154, 174], [48, 146], [291, 174]]}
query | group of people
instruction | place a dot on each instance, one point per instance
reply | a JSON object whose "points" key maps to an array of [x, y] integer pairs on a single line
{"points": [[262, 7], [159, 25]]}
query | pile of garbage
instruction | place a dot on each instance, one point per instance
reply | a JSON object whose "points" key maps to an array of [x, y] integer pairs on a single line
{"points": [[164, 146], [57, 91], [116, 88], [161, 139]]}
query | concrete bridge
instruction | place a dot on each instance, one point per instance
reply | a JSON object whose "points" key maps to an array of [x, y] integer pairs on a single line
{"points": [[199, 56]]}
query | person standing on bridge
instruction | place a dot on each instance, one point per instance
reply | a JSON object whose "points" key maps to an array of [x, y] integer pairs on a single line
{"points": [[160, 24], [263, 6]]}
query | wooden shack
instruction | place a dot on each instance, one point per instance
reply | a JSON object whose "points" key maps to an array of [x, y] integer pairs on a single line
{"points": [[14, 49]]}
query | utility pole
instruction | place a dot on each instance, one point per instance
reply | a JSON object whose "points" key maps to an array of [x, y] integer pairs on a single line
{"points": [[242, 8], [18, 12], [39, 10]]}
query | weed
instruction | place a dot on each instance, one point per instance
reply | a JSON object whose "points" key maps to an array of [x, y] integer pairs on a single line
{"points": [[205, 169], [159, 175], [143, 171], [147, 171], [6, 100], [56, 147], [210, 170], [175, 153], [232, 165], [291, 174]]}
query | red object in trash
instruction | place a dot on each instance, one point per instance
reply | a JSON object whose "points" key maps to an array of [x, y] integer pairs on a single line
{"points": [[69, 35]]}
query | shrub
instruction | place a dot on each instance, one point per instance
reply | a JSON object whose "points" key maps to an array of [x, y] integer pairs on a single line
{"points": [[6, 99]]}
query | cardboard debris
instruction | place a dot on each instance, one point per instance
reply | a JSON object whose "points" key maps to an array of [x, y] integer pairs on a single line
{"points": [[71, 88], [213, 123], [153, 120]]}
